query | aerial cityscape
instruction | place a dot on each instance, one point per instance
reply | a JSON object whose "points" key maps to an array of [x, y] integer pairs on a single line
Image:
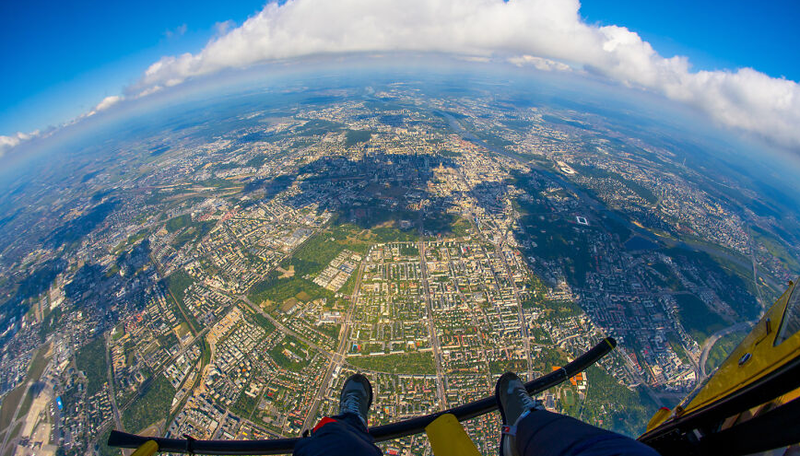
{"points": [[219, 268]]}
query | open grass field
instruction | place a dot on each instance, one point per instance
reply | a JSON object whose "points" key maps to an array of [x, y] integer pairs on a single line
{"points": [[9, 405]]}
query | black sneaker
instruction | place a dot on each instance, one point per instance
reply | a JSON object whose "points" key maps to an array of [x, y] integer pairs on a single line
{"points": [[514, 402], [356, 397]]}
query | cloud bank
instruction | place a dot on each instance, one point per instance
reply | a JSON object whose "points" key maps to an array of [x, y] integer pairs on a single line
{"points": [[547, 34], [9, 142], [107, 103]]}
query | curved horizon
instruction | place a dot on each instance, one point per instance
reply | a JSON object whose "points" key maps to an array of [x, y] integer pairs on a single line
{"points": [[548, 35]]}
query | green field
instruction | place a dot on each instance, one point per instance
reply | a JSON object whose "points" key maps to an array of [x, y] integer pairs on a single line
{"points": [[132, 239], [557, 308], [330, 329], [287, 361], [722, 348], [351, 237], [14, 434], [613, 406], [672, 282], [315, 127], [9, 405], [643, 192], [386, 234], [91, 359], [409, 250], [548, 358], [507, 365], [151, 407], [278, 290], [398, 363], [308, 260], [103, 448], [192, 233], [562, 308], [175, 224], [553, 236], [25, 407], [353, 137], [695, 316], [50, 323], [39, 363], [245, 405], [676, 346], [776, 248], [315, 254], [737, 288], [178, 282], [349, 287], [260, 320]]}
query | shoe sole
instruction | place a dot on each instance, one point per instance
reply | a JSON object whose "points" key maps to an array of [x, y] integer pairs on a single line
{"points": [[500, 380], [497, 395], [369, 387]]}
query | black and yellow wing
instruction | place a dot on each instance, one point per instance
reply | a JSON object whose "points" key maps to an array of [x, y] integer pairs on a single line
{"points": [[748, 404]]}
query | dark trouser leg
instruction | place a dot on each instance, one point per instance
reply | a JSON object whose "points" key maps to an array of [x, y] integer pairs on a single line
{"points": [[543, 433], [344, 435]]}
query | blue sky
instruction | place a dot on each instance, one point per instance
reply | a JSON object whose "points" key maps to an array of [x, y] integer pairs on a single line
{"points": [[764, 35], [61, 58]]}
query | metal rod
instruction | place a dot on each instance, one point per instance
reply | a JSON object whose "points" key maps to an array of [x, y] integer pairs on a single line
{"points": [[669, 437], [379, 433]]}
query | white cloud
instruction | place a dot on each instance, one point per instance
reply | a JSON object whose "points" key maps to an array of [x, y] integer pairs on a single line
{"points": [[548, 34], [9, 142], [539, 63], [179, 31], [149, 91], [108, 102], [222, 28]]}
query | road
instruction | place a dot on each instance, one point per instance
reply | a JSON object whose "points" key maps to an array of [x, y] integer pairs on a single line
{"points": [[526, 340], [520, 311], [591, 202], [574, 336], [337, 358], [487, 371], [437, 354], [169, 362], [169, 292], [111, 393], [8, 440], [760, 297], [15, 419], [281, 327], [709, 343], [719, 252], [197, 336]]}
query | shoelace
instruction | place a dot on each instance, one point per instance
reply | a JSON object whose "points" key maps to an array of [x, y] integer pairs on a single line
{"points": [[525, 399], [351, 402]]}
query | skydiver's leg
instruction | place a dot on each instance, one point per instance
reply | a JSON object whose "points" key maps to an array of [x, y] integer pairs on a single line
{"points": [[529, 430], [542, 433], [340, 435], [345, 434]]}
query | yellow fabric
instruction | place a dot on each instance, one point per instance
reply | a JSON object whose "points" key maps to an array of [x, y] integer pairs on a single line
{"points": [[448, 438], [148, 448], [764, 357], [659, 417]]}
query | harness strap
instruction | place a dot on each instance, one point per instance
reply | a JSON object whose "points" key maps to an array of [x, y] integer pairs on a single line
{"points": [[323, 422]]}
